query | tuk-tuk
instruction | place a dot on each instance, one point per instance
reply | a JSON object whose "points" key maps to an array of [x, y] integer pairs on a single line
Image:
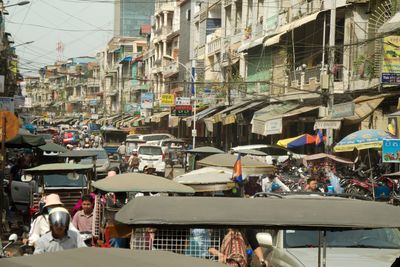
{"points": [[112, 139], [292, 230], [75, 156], [70, 181], [116, 190], [174, 151]]}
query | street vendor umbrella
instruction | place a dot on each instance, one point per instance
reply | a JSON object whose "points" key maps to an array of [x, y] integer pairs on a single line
{"points": [[139, 182], [297, 141], [363, 139], [25, 141], [207, 179], [95, 257], [51, 147]]}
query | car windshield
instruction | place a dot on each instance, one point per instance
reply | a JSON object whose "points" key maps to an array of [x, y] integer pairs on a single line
{"points": [[149, 150], [101, 157], [375, 238], [62, 180]]}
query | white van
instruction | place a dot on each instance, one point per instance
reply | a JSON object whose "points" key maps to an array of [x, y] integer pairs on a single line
{"points": [[152, 156]]}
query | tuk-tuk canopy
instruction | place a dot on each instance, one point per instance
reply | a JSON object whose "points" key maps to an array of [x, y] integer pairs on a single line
{"points": [[249, 166], [206, 150], [324, 213], [95, 257], [51, 147], [79, 154], [139, 182], [59, 167]]}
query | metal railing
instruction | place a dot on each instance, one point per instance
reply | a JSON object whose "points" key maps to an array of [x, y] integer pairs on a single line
{"points": [[214, 45]]}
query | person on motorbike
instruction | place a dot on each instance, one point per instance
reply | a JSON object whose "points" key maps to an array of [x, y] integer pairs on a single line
{"points": [[312, 185], [82, 220], [41, 225], [60, 237], [133, 162]]}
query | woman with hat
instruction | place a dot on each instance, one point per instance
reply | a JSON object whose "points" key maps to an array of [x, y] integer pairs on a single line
{"points": [[40, 225]]}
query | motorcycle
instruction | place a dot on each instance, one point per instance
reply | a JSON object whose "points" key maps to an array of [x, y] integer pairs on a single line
{"points": [[87, 237], [11, 240]]}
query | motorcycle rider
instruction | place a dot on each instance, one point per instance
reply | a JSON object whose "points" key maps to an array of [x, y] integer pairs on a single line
{"points": [[60, 237]]}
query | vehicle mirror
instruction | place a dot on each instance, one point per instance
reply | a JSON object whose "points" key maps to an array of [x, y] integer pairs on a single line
{"points": [[73, 176], [13, 238], [264, 239], [26, 178]]}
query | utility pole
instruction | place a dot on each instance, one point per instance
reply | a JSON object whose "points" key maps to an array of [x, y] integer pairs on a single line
{"points": [[331, 90]]}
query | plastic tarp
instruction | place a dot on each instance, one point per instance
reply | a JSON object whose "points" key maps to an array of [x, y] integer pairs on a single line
{"points": [[317, 212], [25, 141], [96, 257], [139, 182], [51, 147]]}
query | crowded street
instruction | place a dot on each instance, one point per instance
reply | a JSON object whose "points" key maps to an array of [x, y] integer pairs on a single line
{"points": [[248, 133]]}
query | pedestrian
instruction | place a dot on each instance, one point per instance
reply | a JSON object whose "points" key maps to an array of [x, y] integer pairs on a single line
{"points": [[312, 185], [122, 149], [82, 220], [60, 237], [252, 186]]}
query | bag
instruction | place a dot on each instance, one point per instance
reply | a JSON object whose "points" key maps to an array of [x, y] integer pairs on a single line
{"points": [[234, 247]]}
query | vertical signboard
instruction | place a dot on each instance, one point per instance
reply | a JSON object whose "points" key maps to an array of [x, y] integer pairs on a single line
{"points": [[391, 60], [167, 100], [147, 100]]}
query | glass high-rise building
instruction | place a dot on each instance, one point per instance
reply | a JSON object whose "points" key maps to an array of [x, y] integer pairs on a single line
{"points": [[129, 15]]}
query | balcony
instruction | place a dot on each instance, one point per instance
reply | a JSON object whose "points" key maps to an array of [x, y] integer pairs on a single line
{"points": [[214, 46], [164, 6], [170, 69], [162, 32], [93, 82]]}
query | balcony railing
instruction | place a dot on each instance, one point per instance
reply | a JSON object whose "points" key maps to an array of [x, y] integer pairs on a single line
{"points": [[214, 46], [163, 31], [170, 69]]}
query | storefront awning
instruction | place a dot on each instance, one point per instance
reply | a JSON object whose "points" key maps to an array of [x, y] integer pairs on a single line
{"points": [[250, 44], [220, 115], [392, 25], [157, 117], [264, 122], [233, 116], [290, 26]]}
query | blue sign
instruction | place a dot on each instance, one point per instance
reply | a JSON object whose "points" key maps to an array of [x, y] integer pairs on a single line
{"points": [[391, 150], [147, 100]]}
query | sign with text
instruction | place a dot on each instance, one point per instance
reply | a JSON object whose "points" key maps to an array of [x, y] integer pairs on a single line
{"points": [[391, 150], [147, 100], [167, 100], [7, 104], [181, 111], [273, 127], [182, 101], [327, 124], [391, 60]]}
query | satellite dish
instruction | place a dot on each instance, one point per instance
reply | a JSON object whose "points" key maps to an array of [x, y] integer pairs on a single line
{"points": [[73, 176], [26, 178]]}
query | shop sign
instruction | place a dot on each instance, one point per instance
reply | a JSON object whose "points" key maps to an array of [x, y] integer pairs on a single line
{"points": [[167, 100], [181, 111], [93, 102], [343, 110], [391, 60], [273, 127], [94, 116], [147, 100], [182, 101], [391, 150], [7, 104], [327, 124]]}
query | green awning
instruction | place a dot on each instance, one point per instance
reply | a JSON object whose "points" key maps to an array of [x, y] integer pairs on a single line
{"points": [[139, 182]]}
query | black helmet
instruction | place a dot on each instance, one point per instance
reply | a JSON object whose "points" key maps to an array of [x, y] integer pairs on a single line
{"points": [[59, 217]]}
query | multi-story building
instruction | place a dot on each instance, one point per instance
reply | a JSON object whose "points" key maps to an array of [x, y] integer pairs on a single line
{"points": [[129, 15]]}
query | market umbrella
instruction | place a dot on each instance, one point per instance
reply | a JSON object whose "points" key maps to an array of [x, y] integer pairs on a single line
{"points": [[207, 179], [320, 156], [51, 147], [95, 257], [139, 182], [297, 141], [25, 141], [363, 139], [249, 166], [206, 150]]}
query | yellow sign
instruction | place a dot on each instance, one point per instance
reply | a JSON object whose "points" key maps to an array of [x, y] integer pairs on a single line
{"points": [[167, 100], [11, 124], [391, 60]]}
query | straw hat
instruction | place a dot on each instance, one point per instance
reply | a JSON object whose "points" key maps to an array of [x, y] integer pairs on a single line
{"points": [[53, 199]]}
